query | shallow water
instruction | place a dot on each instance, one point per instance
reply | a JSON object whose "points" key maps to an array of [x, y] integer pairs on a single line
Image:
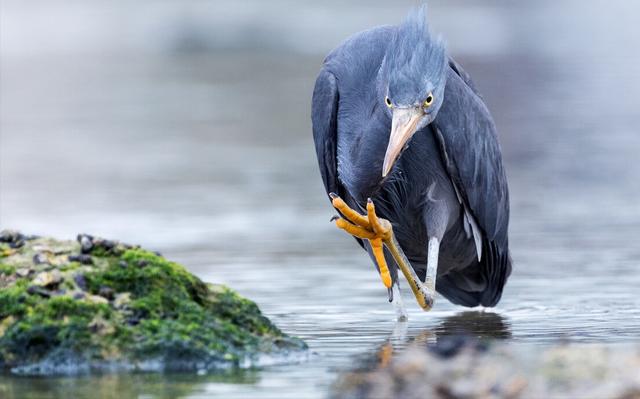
{"points": [[205, 154]]}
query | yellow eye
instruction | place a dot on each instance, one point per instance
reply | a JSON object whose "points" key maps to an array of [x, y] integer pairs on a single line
{"points": [[427, 103], [387, 101]]}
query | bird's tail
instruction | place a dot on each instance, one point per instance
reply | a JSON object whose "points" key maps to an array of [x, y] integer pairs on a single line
{"points": [[479, 285]]}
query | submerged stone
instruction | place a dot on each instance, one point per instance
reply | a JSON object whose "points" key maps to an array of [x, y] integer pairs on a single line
{"points": [[84, 310], [459, 367]]}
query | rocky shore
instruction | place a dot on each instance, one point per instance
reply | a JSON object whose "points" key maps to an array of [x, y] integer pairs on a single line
{"points": [[69, 307], [460, 367]]}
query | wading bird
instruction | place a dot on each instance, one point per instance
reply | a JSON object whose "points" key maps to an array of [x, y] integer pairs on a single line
{"points": [[399, 124]]}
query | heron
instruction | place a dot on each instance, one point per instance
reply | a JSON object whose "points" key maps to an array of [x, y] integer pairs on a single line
{"points": [[409, 156]]}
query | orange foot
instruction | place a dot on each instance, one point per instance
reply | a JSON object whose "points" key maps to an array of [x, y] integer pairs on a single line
{"points": [[369, 227], [380, 233]]}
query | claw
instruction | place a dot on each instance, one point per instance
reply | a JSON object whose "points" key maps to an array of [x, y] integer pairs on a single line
{"points": [[354, 230], [353, 216], [379, 232], [366, 227], [377, 223]]}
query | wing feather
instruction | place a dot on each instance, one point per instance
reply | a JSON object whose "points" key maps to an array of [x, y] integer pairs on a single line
{"points": [[324, 118], [469, 145], [473, 158]]}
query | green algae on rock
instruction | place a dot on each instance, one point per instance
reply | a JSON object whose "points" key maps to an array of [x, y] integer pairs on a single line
{"points": [[100, 305]]}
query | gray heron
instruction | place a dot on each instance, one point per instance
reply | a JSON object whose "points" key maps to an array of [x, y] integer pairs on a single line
{"points": [[409, 155]]}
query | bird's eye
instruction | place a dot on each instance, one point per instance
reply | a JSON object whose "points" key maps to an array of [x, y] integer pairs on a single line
{"points": [[387, 101], [428, 101]]}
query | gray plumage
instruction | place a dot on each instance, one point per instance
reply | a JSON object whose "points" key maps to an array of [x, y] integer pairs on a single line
{"points": [[448, 182]]}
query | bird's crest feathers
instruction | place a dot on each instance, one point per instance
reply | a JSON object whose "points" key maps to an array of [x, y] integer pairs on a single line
{"points": [[416, 59]]}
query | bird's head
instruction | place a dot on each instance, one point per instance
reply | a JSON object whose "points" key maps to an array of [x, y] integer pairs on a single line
{"points": [[414, 73]]}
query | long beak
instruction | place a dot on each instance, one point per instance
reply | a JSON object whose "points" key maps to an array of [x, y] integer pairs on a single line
{"points": [[403, 126]]}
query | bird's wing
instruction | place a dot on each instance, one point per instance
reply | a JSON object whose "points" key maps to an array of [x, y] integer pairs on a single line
{"points": [[471, 152], [457, 68], [324, 118]]}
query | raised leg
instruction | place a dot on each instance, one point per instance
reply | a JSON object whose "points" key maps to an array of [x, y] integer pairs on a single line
{"points": [[424, 295], [395, 297], [379, 232]]}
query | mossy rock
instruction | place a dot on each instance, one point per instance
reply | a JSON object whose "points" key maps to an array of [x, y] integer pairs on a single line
{"points": [[100, 305]]}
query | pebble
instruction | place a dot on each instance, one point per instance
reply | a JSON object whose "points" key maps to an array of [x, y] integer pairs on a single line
{"points": [[123, 264], [82, 258], [5, 236], [89, 243], [97, 299], [142, 263], [17, 244], [101, 326], [122, 299], [81, 281], [23, 271], [39, 259], [106, 292], [10, 236], [106, 244], [86, 243], [48, 279], [36, 290]]}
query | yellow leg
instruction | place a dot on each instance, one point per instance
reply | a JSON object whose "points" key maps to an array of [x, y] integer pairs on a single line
{"points": [[379, 231], [378, 253]]}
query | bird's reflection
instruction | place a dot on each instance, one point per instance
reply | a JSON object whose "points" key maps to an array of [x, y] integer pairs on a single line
{"points": [[478, 324], [473, 324]]}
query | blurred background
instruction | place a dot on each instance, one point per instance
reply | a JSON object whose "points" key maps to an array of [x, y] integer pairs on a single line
{"points": [[184, 126]]}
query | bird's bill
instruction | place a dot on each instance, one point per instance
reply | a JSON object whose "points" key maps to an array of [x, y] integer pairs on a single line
{"points": [[403, 126]]}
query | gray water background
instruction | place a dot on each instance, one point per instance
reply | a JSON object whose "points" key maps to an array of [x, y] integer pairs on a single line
{"points": [[184, 127]]}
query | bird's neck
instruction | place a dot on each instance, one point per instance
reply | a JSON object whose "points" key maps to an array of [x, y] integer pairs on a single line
{"points": [[361, 173], [364, 141]]}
